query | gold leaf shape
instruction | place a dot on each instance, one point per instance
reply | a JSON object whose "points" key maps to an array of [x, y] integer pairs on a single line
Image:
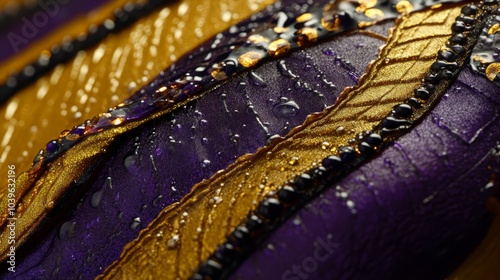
{"points": [[216, 206]]}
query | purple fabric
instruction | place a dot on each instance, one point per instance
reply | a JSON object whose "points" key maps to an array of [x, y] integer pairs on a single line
{"points": [[157, 164], [419, 206], [48, 15]]}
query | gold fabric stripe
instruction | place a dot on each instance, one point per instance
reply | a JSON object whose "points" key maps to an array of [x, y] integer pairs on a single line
{"points": [[16, 4], [99, 78], [186, 233], [71, 29], [483, 263]]}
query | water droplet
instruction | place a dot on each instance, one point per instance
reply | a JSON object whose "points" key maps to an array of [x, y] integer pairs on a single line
{"points": [[204, 141], [131, 87], [172, 242], [95, 199], [251, 110], [67, 229], [325, 145], [157, 200], [130, 162], [350, 204], [135, 223], [257, 80], [294, 161], [329, 52], [203, 122], [235, 138], [205, 163], [50, 204], [159, 235], [287, 109]]}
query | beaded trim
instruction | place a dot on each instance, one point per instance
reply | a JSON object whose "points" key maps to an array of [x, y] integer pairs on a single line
{"points": [[65, 51], [485, 58], [294, 194], [287, 35]]}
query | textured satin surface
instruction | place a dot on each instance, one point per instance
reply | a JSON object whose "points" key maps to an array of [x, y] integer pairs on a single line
{"points": [[172, 153], [211, 223], [65, 235], [408, 211], [34, 26], [101, 77]]}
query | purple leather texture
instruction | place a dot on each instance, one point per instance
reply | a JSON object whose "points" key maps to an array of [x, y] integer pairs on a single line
{"points": [[420, 204], [414, 210], [158, 163]]}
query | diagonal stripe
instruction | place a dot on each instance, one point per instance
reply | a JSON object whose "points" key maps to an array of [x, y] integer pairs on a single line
{"points": [[263, 172]]}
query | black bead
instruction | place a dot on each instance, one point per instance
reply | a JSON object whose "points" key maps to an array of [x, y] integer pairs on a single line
{"points": [[196, 276], [319, 173], [347, 154], [68, 47], [96, 34], [374, 139], [469, 10], [56, 55], [6, 92], [288, 194], [365, 148], [457, 49], [31, 70], [78, 130], [458, 39], [121, 18], [441, 64], [414, 103], [270, 208], [302, 181], [447, 55], [254, 224], [240, 236], [468, 21], [392, 123], [430, 88], [446, 74], [458, 26], [225, 253], [210, 268], [332, 162], [52, 146], [432, 78], [422, 93], [403, 110]]}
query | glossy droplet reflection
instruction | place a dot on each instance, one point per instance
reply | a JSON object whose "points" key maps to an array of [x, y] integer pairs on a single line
{"points": [[286, 109], [205, 163], [67, 229], [172, 242], [95, 199], [135, 223], [130, 163]]}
